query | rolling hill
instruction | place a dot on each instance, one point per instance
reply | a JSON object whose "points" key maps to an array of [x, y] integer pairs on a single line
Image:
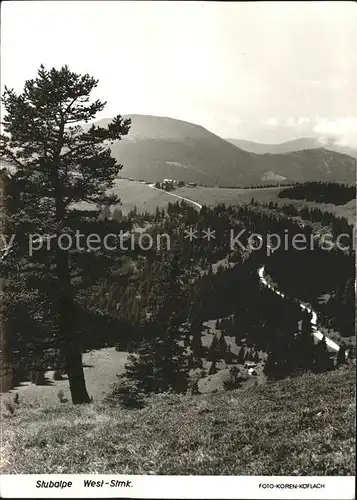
{"points": [[159, 147], [289, 146], [312, 165]]}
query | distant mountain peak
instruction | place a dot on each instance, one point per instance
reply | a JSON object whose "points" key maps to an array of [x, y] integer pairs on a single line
{"points": [[159, 147], [154, 127], [299, 144]]}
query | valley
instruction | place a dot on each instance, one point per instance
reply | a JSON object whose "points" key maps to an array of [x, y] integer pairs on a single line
{"points": [[138, 194], [221, 339]]}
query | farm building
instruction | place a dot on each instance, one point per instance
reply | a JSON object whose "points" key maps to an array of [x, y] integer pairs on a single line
{"points": [[168, 184]]}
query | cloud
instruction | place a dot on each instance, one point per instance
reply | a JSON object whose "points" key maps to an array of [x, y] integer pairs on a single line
{"points": [[297, 121], [290, 121], [271, 122], [303, 120], [342, 131]]}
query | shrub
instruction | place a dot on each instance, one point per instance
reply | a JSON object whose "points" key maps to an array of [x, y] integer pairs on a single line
{"points": [[213, 368], [193, 388], [60, 395], [9, 405], [39, 377], [125, 393], [57, 375], [235, 380]]}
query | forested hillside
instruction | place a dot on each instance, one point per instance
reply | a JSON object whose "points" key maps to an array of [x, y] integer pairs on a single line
{"points": [[329, 192]]}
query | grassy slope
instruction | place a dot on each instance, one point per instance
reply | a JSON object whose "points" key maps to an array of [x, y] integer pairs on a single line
{"points": [[100, 370], [213, 196], [133, 193], [298, 426]]}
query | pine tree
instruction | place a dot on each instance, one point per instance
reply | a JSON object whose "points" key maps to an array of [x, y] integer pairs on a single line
{"points": [[171, 367], [248, 355], [256, 357], [222, 346], [213, 368], [280, 363], [241, 356], [304, 351], [194, 390], [186, 339], [270, 366], [190, 361], [322, 361], [341, 355], [140, 367], [196, 340], [160, 364], [228, 357], [58, 163], [212, 354]]}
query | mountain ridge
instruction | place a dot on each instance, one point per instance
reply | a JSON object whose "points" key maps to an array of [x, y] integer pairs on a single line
{"points": [[299, 144], [163, 147]]}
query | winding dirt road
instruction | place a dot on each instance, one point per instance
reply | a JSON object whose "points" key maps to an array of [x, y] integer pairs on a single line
{"points": [[261, 272], [197, 205], [317, 334]]}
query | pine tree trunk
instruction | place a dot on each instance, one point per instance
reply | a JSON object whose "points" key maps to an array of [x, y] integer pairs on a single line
{"points": [[66, 308], [74, 367], [5, 351], [67, 332]]}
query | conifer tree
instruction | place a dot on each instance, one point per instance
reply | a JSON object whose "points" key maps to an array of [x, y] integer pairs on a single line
{"points": [[241, 356], [341, 355], [186, 340], [58, 163], [270, 366], [304, 351], [222, 346], [159, 364], [212, 354], [322, 361], [196, 340], [213, 368]]}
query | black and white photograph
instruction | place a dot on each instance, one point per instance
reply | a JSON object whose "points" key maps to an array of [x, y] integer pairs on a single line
{"points": [[177, 249]]}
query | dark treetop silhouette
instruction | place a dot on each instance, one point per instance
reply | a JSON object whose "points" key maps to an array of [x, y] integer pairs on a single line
{"points": [[58, 163]]}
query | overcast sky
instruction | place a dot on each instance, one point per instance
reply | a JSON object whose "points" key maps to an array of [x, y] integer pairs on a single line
{"points": [[260, 71]]}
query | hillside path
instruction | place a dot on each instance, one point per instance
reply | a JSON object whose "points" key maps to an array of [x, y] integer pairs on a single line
{"points": [[317, 334]]}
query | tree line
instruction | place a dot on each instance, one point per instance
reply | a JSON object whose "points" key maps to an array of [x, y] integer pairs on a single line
{"points": [[322, 192]]}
